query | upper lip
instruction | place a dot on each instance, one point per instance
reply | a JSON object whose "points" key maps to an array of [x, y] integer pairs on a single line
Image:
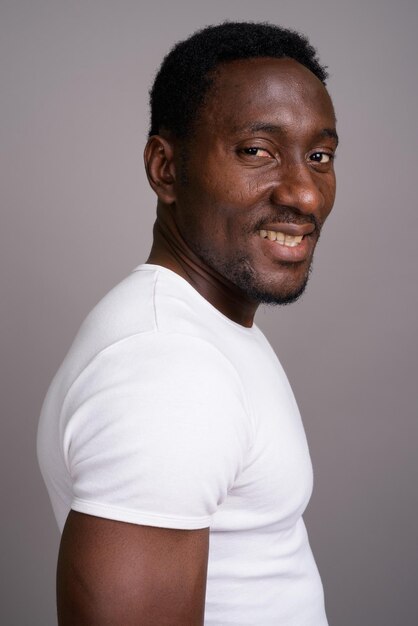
{"points": [[294, 230]]}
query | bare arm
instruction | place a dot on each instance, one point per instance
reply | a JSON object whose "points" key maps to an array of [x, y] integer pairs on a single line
{"points": [[112, 573]]}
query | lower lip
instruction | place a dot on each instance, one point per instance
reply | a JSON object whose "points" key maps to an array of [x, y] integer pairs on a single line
{"points": [[287, 254]]}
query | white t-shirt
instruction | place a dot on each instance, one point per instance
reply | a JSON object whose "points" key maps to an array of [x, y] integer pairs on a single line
{"points": [[166, 413]]}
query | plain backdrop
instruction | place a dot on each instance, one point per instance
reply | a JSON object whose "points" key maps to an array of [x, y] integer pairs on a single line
{"points": [[76, 217]]}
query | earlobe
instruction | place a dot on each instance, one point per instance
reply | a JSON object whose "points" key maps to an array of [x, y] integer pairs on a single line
{"points": [[160, 169]]}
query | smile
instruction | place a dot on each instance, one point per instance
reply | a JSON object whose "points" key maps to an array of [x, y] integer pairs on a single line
{"points": [[291, 241]]}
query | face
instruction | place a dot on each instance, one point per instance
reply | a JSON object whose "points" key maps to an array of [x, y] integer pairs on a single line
{"points": [[259, 178]]}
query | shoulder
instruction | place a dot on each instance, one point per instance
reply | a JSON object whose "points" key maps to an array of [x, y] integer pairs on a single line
{"points": [[155, 361]]}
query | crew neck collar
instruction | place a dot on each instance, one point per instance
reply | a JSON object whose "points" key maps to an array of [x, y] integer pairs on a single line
{"points": [[161, 268]]}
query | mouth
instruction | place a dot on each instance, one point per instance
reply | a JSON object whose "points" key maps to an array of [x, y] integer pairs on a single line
{"points": [[288, 243]]}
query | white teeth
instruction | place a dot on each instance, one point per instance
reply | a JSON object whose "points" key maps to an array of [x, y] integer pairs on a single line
{"points": [[292, 241], [285, 240]]}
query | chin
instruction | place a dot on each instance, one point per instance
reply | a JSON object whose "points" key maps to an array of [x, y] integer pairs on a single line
{"points": [[279, 296], [282, 290]]}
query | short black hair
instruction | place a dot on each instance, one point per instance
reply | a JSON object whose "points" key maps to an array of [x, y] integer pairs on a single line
{"points": [[186, 73]]}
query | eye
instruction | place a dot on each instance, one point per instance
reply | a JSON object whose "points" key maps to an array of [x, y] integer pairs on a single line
{"points": [[256, 151], [321, 157]]}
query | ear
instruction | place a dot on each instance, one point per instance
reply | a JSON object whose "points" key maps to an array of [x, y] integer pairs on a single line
{"points": [[160, 169]]}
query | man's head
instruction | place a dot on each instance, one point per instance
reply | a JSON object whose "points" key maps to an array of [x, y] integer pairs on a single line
{"points": [[244, 168]]}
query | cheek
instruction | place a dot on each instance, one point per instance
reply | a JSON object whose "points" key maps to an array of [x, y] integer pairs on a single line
{"points": [[328, 192]]}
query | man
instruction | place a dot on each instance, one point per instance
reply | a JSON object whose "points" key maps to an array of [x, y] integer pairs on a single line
{"points": [[170, 440]]}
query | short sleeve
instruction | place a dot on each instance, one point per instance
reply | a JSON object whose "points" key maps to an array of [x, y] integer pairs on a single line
{"points": [[155, 431]]}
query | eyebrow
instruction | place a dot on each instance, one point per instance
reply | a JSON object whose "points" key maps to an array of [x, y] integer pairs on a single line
{"points": [[257, 126], [274, 128], [330, 132]]}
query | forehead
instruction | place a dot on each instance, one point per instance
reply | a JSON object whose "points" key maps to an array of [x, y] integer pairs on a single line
{"points": [[276, 91]]}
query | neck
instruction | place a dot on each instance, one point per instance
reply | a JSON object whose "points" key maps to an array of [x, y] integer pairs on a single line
{"points": [[171, 251]]}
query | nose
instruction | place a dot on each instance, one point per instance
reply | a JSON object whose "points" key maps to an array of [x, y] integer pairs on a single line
{"points": [[298, 189]]}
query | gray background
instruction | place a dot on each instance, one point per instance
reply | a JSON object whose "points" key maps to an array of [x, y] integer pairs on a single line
{"points": [[77, 216]]}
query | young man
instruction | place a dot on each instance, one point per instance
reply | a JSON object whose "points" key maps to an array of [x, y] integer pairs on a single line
{"points": [[170, 440]]}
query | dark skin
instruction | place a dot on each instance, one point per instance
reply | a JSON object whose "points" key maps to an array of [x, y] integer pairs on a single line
{"points": [[113, 573], [260, 159]]}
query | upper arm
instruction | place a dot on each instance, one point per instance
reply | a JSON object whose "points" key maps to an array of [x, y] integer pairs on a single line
{"points": [[151, 439], [155, 432], [112, 573]]}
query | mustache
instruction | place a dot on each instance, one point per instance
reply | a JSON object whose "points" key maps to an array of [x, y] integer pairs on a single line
{"points": [[287, 215]]}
